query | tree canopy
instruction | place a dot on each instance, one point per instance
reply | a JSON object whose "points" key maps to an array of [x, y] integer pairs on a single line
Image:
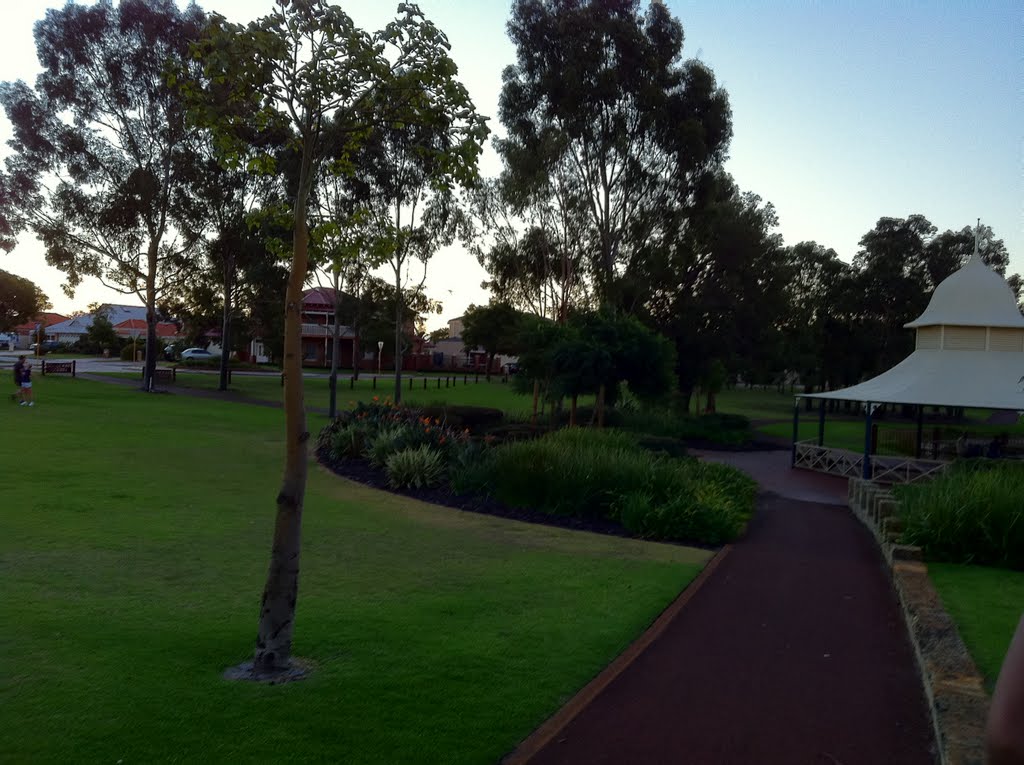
{"points": [[101, 147], [20, 300]]}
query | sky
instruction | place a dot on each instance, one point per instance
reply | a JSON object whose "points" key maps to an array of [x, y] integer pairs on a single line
{"points": [[843, 113]]}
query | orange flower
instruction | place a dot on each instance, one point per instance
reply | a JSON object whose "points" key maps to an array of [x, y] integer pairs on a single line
{"points": [[376, 399]]}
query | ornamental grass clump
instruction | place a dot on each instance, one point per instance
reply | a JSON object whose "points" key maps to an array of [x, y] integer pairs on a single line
{"points": [[415, 468], [972, 514]]}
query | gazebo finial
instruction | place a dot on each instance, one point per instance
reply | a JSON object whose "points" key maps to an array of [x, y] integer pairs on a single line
{"points": [[977, 241]]}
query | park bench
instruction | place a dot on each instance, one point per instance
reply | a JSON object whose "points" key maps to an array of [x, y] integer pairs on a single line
{"points": [[58, 367], [163, 374]]}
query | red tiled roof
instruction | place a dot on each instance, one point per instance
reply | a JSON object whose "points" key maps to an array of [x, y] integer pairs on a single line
{"points": [[163, 328], [46, 319]]}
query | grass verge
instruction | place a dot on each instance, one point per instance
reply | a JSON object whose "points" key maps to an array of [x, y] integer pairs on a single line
{"points": [[986, 605], [136, 537]]}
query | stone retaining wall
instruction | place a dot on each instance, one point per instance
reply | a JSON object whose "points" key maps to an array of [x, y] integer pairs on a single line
{"points": [[953, 686]]}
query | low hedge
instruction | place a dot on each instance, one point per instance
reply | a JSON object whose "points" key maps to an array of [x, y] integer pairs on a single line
{"points": [[608, 474]]}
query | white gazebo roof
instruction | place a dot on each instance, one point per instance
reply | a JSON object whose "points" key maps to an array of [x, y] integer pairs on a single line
{"points": [[982, 379], [974, 296], [970, 349]]}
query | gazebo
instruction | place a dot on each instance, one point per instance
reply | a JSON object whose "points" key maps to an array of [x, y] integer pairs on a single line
{"points": [[969, 352]]}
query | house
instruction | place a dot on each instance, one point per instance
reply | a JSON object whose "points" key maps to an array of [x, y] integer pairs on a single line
{"points": [[317, 327], [28, 333], [453, 354], [136, 329], [73, 330]]}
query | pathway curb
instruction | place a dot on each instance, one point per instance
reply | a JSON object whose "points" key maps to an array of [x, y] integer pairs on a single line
{"points": [[555, 724], [953, 686]]}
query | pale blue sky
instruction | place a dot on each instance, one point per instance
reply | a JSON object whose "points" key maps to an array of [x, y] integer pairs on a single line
{"points": [[843, 112]]}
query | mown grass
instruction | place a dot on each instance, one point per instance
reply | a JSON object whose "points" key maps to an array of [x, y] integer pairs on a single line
{"points": [[136, 533], [986, 604], [465, 390]]}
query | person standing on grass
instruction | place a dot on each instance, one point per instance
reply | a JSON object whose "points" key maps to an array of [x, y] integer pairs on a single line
{"points": [[18, 366], [26, 383]]}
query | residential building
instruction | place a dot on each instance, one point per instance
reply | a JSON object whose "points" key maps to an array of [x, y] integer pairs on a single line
{"points": [[29, 332]]}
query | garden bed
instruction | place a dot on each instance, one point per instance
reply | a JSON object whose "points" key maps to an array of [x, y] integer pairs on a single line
{"points": [[362, 471], [603, 480]]}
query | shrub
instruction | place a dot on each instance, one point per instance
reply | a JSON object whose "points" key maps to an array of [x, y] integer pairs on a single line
{"points": [[350, 441], [570, 472], [459, 417], [415, 468], [469, 467], [388, 441], [972, 514]]}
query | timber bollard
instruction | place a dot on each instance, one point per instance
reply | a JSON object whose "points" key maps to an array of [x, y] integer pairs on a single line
{"points": [[478, 377], [375, 382], [446, 380], [424, 383], [282, 379], [439, 383], [352, 383], [465, 379]]}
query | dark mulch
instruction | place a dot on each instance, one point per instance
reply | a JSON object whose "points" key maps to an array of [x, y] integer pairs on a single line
{"points": [[363, 472], [762, 443]]}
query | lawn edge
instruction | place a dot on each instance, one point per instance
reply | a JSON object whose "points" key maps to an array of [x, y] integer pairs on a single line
{"points": [[550, 728]]}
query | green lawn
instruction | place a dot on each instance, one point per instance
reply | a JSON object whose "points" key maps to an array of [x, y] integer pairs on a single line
{"points": [[986, 604], [136, 533], [268, 388]]}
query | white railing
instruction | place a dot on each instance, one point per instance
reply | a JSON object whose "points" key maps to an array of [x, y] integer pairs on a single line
{"points": [[843, 462]]}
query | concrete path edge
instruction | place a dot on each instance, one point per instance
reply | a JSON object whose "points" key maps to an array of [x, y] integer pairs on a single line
{"points": [[555, 724]]}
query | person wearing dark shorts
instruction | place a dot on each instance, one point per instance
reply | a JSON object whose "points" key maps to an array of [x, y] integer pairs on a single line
{"points": [[26, 383]]}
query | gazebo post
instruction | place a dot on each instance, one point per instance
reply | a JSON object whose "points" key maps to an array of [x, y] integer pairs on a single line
{"points": [[920, 430], [796, 429], [868, 411], [821, 422]]}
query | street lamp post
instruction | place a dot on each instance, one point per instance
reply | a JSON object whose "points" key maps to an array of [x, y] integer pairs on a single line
{"points": [[380, 352]]}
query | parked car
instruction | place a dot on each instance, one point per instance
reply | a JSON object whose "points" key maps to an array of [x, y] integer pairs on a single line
{"points": [[198, 354], [46, 346]]}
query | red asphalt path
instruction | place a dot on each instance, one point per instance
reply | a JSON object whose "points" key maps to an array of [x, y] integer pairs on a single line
{"points": [[793, 651]]}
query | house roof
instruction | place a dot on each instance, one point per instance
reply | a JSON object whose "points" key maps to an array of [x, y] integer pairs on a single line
{"points": [[46, 319], [325, 296], [116, 314], [76, 326], [163, 328]]}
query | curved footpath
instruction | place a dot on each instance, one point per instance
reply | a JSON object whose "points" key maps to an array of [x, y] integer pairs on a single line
{"points": [[792, 651]]}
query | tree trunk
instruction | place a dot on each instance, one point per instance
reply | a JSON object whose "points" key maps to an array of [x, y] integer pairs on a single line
{"points": [[536, 395], [277, 609], [225, 332], [357, 355], [711, 402], [149, 366], [572, 412], [490, 363], [335, 343], [398, 336]]}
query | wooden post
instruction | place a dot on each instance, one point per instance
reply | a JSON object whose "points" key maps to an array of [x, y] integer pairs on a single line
{"points": [[375, 382], [439, 383], [424, 383], [352, 383], [410, 382], [796, 430], [821, 422], [73, 362], [920, 430], [42, 368], [868, 428]]}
